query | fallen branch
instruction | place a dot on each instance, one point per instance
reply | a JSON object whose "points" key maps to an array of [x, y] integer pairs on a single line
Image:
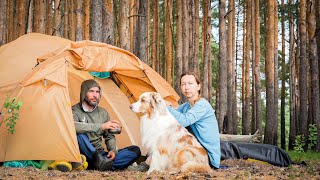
{"points": [[241, 138]]}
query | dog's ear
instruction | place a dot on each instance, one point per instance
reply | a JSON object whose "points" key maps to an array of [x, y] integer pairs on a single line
{"points": [[156, 97]]}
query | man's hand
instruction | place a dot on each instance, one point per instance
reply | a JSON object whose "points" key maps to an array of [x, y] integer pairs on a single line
{"points": [[111, 155], [110, 125]]}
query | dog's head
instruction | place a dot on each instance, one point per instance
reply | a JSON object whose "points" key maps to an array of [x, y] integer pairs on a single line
{"points": [[148, 103]]}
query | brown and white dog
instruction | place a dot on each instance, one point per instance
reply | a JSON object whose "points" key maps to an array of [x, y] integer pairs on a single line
{"points": [[170, 146]]}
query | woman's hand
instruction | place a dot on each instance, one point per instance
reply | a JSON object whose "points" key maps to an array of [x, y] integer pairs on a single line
{"points": [[168, 103]]}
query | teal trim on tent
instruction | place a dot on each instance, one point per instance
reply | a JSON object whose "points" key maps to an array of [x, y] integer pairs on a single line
{"points": [[101, 75]]}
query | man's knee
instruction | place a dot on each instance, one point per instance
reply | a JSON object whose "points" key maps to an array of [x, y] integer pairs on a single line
{"points": [[134, 149]]}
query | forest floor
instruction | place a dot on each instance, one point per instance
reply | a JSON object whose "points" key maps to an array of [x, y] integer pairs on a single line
{"points": [[233, 169]]}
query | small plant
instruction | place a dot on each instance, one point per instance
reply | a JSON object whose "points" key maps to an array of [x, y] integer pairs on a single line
{"points": [[313, 136], [12, 107], [299, 143]]}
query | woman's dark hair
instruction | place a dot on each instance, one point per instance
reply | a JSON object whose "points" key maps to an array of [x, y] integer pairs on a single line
{"points": [[195, 75]]}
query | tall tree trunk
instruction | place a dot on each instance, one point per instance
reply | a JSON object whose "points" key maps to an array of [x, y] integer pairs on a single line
{"points": [[30, 16], [196, 37], [185, 35], [49, 18], [303, 118], [57, 18], [257, 67], [229, 69], [22, 17], [155, 36], [276, 78], [10, 21], [168, 44], [124, 31], [283, 81], [42, 16], [318, 51], [72, 20], [96, 26], [253, 94], [191, 34], [268, 135], [3, 16], [178, 68], [86, 21], [79, 12], [243, 64], [223, 63], [297, 84], [246, 120], [314, 64], [234, 77], [140, 43], [107, 22], [292, 131], [66, 19]]}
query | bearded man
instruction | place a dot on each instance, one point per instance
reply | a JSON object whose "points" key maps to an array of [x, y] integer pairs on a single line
{"points": [[92, 123]]}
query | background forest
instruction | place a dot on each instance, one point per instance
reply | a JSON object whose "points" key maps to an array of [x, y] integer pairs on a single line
{"points": [[258, 60]]}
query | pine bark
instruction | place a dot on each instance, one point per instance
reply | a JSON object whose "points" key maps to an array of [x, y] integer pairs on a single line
{"points": [[168, 44], [268, 138], [30, 16], [257, 67], [3, 16], [283, 80], [185, 35], [303, 114], [229, 129], [124, 31], [246, 120], [10, 21], [107, 22], [234, 77], [318, 51], [178, 67], [222, 63], [42, 17], [86, 21], [72, 20], [140, 43], [79, 18], [96, 20], [292, 131], [57, 18], [191, 33], [314, 64], [66, 19], [49, 18], [206, 53], [276, 76], [196, 37], [155, 37], [22, 18]]}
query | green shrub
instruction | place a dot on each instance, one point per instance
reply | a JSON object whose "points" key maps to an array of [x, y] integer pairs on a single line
{"points": [[12, 107]]}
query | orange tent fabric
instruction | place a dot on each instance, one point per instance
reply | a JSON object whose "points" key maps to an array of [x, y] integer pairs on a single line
{"points": [[45, 130]]}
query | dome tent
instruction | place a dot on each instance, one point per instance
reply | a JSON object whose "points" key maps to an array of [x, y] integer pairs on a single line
{"points": [[45, 130]]}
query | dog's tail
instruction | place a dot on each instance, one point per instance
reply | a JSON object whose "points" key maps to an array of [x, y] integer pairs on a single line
{"points": [[196, 167]]}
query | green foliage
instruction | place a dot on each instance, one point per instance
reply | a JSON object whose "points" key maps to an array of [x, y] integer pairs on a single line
{"points": [[305, 156], [299, 143], [12, 106], [313, 136]]}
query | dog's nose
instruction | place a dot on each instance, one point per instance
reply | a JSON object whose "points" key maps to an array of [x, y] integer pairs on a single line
{"points": [[130, 106]]}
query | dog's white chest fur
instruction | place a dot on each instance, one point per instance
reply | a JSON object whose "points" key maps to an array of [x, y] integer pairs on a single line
{"points": [[169, 145]]}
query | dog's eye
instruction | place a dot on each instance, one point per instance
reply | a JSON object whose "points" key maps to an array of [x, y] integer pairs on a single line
{"points": [[143, 100]]}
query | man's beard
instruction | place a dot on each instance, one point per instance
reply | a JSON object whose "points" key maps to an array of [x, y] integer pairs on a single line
{"points": [[92, 104]]}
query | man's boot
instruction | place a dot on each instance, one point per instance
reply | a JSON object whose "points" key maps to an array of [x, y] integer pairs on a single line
{"points": [[101, 163]]}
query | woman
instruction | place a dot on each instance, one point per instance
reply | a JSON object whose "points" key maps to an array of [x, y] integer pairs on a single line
{"points": [[198, 116]]}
